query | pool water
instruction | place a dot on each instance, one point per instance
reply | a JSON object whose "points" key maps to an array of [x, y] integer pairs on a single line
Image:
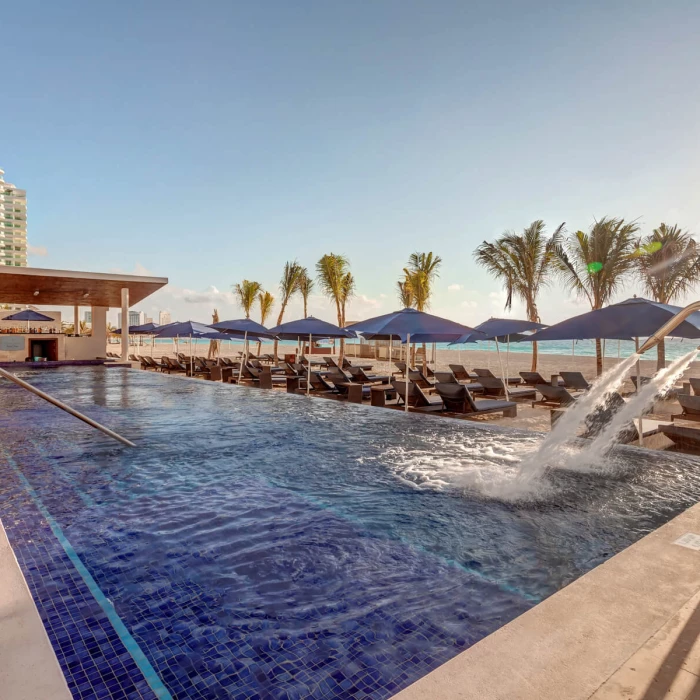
{"points": [[262, 545]]}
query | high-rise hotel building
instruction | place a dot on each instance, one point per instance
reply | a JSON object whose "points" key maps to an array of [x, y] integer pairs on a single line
{"points": [[13, 224]]}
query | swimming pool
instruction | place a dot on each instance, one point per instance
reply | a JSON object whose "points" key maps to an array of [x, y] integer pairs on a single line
{"points": [[262, 545]]}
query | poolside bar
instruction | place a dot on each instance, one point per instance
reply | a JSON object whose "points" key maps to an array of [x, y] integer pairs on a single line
{"points": [[46, 341]]}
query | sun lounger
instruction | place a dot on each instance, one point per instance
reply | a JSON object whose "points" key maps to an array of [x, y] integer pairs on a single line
{"points": [[449, 378], [686, 438], [133, 358], [535, 378], [690, 406], [458, 399], [695, 385], [170, 365], [401, 369], [416, 397], [347, 365], [645, 380], [553, 396], [575, 381], [490, 375], [361, 377], [319, 385], [494, 387], [420, 379], [461, 373]]}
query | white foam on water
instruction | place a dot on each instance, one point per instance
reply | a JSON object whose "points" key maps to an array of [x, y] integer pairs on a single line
{"points": [[596, 456], [557, 443], [482, 463]]}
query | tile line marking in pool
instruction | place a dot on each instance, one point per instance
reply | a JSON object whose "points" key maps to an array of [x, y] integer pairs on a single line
{"points": [[149, 673]]}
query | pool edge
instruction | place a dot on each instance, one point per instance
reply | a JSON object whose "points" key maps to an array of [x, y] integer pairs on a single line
{"points": [[29, 667], [575, 644]]}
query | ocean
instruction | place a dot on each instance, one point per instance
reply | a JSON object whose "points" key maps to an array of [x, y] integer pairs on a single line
{"points": [[675, 347]]}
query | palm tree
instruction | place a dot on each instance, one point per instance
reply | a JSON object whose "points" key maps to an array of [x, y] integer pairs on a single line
{"points": [[305, 285], [266, 300], [288, 286], [405, 293], [523, 263], [338, 284], [668, 263], [595, 265], [213, 344], [420, 275], [247, 292]]}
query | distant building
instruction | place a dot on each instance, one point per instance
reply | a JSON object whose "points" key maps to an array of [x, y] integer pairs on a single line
{"points": [[164, 318], [148, 319], [13, 224], [87, 317], [136, 318]]}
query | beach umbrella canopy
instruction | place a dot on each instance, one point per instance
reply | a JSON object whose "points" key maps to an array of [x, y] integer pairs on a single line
{"points": [[242, 327], [419, 325], [28, 315], [310, 326], [503, 330], [187, 329], [414, 326], [632, 318], [145, 329]]}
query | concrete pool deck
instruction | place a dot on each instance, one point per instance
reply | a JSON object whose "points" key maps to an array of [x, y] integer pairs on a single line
{"points": [[29, 669], [629, 628]]}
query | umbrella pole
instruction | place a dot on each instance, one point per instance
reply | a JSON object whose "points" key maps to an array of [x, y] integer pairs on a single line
{"points": [[573, 348], [245, 356], [191, 358], [639, 383], [508, 360], [308, 370], [408, 341], [500, 363]]}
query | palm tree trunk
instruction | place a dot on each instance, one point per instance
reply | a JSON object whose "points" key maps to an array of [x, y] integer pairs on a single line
{"points": [[598, 357], [425, 359], [279, 322], [661, 355], [534, 357]]}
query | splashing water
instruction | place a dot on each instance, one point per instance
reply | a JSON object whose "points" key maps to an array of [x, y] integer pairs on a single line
{"points": [[605, 441], [555, 444]]}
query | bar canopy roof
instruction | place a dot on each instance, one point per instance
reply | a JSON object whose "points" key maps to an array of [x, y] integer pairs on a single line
{"points": [[19, 285]]}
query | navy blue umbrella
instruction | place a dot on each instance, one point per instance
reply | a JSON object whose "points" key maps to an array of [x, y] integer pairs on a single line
{"points": [[28, 315], [311, 328], [626, 320], [632, 318], [415, 326], [419, 326], [144, 329], [189, 329], [240, 328], [502, 329]]}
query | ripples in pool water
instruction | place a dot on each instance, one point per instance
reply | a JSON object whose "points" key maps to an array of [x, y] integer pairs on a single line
{"points": [[258, 542]]}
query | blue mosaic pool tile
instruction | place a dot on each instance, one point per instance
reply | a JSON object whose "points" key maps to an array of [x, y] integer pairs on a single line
{"points": [[89, 651]]}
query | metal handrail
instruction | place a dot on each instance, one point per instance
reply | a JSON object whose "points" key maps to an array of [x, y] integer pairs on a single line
{"points": [[670, 325], [64, 407]]}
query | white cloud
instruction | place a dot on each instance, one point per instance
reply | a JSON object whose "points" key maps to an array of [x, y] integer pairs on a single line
{"points": [[211, 295], [37, 250], [454, 287], [469, 305]]}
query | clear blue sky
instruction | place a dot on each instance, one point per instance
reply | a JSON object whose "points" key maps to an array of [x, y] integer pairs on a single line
{"points": [[213, 141]]}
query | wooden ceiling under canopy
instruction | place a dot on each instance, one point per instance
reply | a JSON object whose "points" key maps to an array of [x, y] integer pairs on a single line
{"points": [[19, 285]]}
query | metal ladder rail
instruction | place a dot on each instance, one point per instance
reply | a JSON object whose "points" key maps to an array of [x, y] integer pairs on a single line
{"points": [[64, 407]]}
